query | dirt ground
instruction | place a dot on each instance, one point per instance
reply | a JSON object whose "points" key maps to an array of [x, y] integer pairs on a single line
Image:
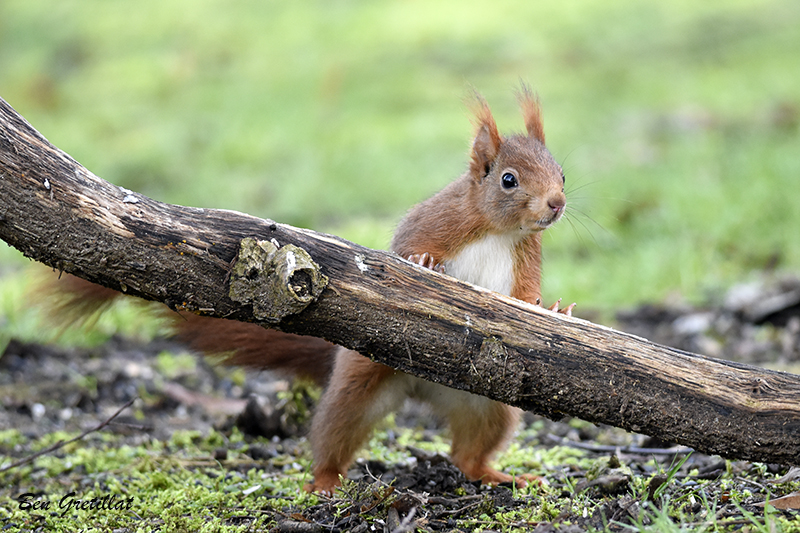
{"points": [[45, 389]]}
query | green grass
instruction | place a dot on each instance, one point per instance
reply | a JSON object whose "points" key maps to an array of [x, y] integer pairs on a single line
{"points": [[172, 486], [677, 123], [179, 485]]}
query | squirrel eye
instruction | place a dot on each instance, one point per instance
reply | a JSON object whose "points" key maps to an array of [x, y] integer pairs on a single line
{"points": [[563, 178], [509, 180]]}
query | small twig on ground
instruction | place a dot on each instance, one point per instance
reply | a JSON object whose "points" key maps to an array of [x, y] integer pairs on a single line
{"points": [[605, 448], [134, 427], [407, 524], [62, 443], [453, 501], [295, 526]]}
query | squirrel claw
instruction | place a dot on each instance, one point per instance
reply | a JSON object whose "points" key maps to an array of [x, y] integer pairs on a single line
{"points": [[566, 311], [426, 260]]}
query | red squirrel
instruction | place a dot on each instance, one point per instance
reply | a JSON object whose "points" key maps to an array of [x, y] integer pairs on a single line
{"points": [[484, 228]]}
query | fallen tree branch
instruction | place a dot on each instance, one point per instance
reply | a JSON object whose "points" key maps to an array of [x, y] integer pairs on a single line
{"points": [[231, 265]]}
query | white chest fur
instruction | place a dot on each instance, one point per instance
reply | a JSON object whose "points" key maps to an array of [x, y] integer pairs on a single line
{"points": [[487, 262]]}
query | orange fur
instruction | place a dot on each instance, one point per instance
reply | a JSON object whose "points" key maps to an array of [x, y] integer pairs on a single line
{"points": [[73, 299], [477, 435], [345, 415], [473, 206], [527, 269], [236, 343], [252, 346], [531, 113], [487, 139]]}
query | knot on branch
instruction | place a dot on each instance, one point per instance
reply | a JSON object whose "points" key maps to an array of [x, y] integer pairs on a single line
{"points": [[277, 281]]}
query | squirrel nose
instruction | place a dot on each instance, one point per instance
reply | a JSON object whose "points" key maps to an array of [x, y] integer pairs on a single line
{"points": [[557, 205]]}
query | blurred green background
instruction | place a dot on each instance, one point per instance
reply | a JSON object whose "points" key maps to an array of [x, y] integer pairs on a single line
{"points": [[676, 122]]}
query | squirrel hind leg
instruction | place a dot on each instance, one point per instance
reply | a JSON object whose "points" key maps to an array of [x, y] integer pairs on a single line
{"points": [[359, 394], [478, 432]]}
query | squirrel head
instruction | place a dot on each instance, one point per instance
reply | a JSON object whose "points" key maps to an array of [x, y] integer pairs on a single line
{"points": [[515, 181]]}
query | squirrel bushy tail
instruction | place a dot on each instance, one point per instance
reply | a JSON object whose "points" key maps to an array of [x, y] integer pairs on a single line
{"points": [[251, 346], [234, 343]]}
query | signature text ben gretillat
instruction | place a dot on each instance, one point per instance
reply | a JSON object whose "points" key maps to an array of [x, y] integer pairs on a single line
{"points": [[69, 502]]}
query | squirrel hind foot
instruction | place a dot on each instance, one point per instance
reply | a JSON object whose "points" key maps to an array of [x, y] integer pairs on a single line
{"points": [[490, 476], [523, 480], [324, 483]]}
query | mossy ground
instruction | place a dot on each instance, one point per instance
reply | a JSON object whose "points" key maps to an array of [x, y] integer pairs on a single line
{"points": [[210, 482], [184, 465]]}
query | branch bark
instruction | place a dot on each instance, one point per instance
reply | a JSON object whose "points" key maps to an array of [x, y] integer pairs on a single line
{"points": [[231, 265]]}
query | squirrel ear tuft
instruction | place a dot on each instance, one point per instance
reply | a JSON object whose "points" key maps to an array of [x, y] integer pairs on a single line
{"points": [[487, 141], [531, 113]]}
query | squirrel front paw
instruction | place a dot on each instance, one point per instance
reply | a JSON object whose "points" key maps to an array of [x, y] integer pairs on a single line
{"points": [[426, 260], [566, 311]]}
